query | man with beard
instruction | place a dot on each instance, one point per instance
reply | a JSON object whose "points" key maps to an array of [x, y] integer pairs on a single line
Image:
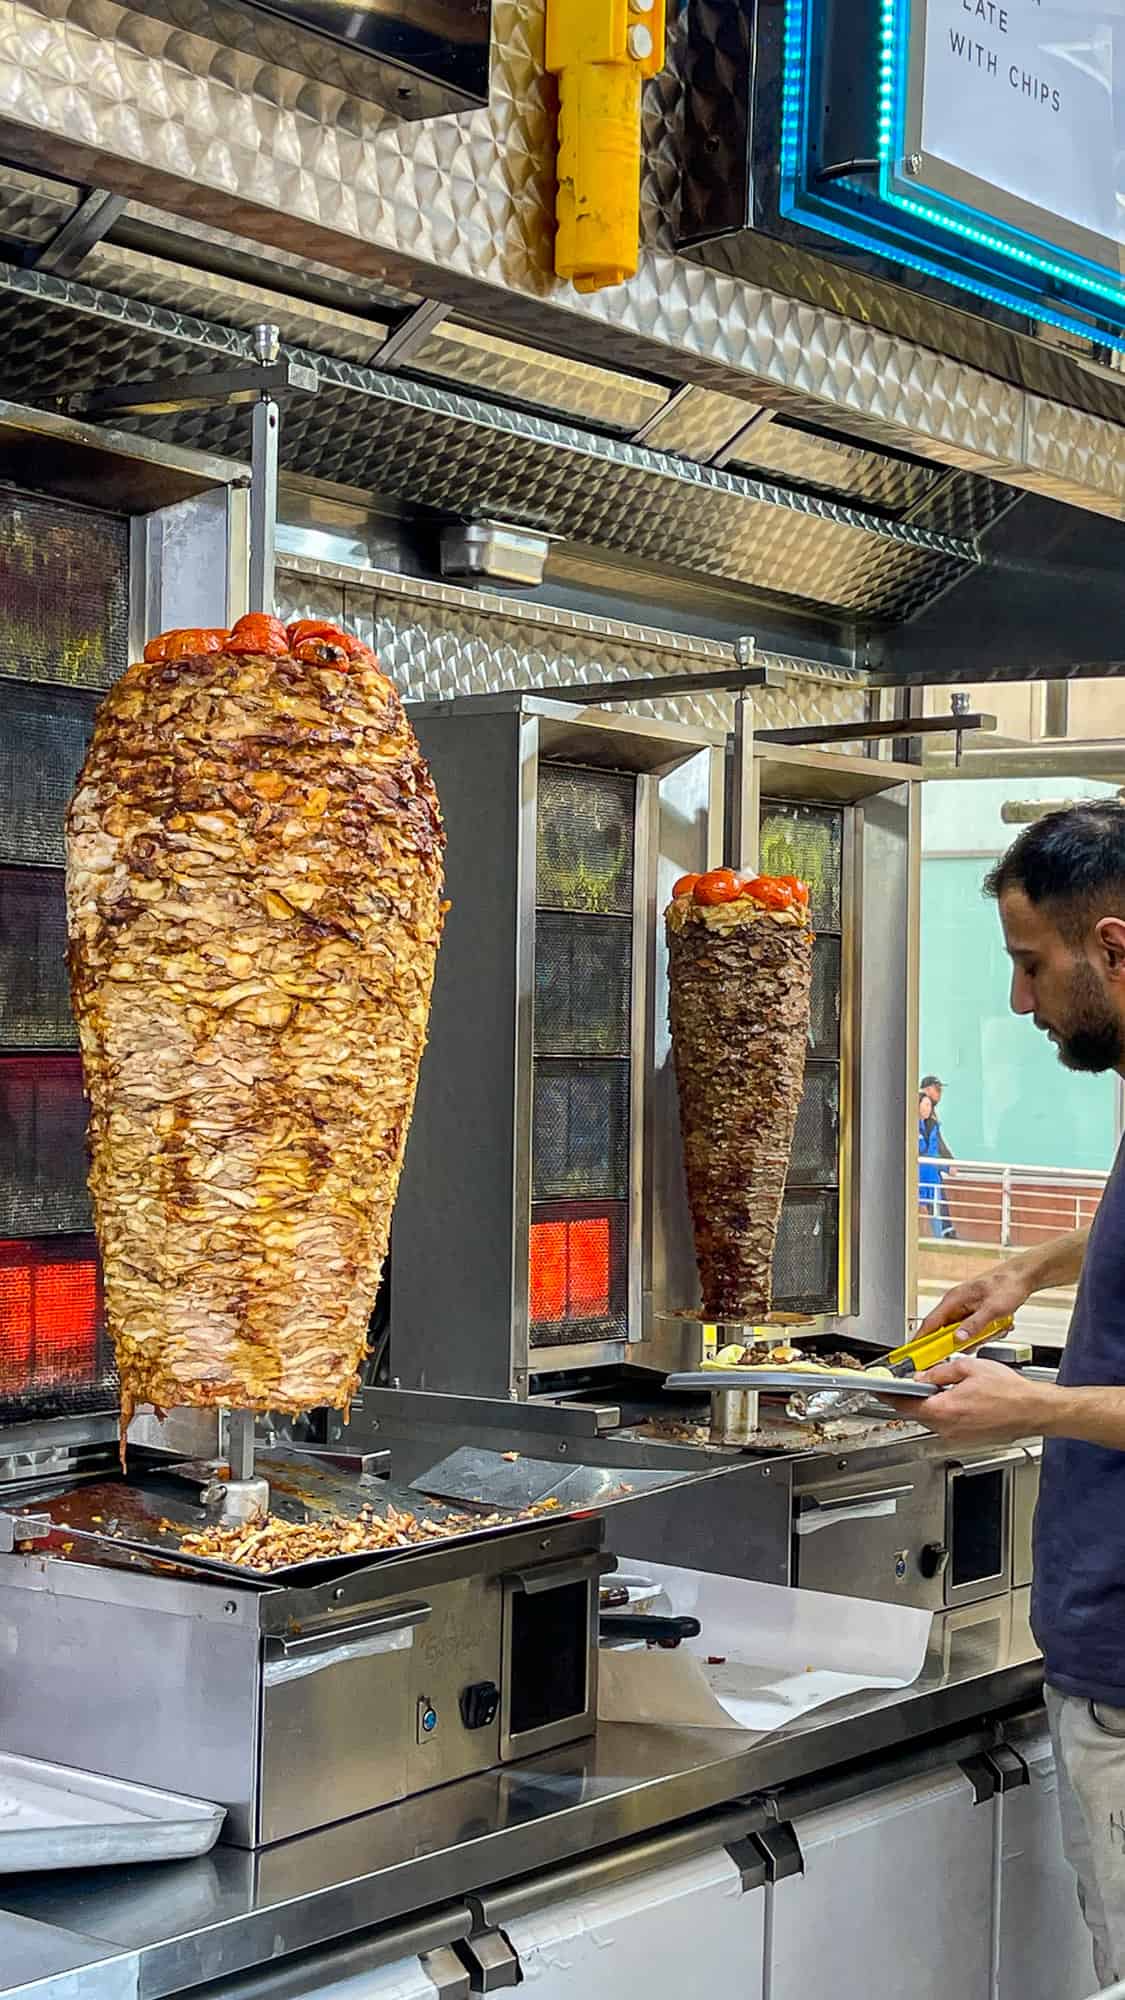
{"points": [[1061, 896]]}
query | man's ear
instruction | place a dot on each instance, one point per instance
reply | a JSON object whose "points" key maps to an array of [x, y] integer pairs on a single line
{"points": [[1110, 933]]}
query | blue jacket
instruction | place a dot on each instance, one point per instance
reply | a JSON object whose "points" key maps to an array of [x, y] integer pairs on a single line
{"points": [[929, 1142]]}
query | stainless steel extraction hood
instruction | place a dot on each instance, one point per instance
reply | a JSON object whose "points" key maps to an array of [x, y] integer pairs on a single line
{"points": [[679, 494], [414, 58]]}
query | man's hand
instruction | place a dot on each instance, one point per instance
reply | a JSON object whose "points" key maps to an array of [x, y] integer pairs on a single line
{"points": [[979, 1301], [982, 1403]]}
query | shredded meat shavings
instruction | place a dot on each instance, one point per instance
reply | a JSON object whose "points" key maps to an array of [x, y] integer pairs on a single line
{"points": [[254, 872], [739, 985], [275, 1544]]}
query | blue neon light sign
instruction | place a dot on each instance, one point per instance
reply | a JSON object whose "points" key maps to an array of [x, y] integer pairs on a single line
{"points": [[997, 149]]}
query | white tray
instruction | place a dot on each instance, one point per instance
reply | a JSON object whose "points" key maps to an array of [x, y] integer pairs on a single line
{"points": [[55, 1817]]}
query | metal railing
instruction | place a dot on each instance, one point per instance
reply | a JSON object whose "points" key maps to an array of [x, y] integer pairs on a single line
{"points": [[1008, 1206]]}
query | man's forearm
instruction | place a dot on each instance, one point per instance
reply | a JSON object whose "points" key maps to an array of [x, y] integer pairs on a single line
{"points": [[1092, 1416], [1058, 1262]]}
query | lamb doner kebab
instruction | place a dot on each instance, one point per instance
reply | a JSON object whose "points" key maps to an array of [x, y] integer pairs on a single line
{"points": [[740, 972], [254, 881]]}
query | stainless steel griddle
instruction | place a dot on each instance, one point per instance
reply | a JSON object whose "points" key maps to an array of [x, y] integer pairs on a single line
{"points": [[151, 1512]]}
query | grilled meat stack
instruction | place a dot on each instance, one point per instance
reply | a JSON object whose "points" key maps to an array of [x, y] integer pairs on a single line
{"points": [[740, 972], [254, 885]]}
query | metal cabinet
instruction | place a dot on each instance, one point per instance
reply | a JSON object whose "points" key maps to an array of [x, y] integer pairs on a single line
{"points": [[683, 1929], [896, 1898], [1044, 1945]]}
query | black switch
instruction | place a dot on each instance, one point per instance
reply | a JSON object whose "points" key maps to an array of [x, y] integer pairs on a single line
{"points": [[479, 1704]]}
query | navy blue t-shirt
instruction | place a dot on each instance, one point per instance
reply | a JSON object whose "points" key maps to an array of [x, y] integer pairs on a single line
{"points": [[1078, 1594]]}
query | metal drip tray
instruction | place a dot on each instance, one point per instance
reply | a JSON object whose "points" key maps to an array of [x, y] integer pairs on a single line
{"points": [[509, 1480], [147, 1516]]}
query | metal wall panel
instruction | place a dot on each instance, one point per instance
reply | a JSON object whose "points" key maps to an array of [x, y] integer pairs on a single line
{"points": [[462, 208], [437, 641]]}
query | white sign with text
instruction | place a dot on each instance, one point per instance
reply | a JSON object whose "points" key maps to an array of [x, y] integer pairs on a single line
{"points": [[1020, 94]]}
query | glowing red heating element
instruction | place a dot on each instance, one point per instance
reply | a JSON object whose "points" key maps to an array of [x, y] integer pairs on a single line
{"points": [[570, 1269], [49, 1317]]}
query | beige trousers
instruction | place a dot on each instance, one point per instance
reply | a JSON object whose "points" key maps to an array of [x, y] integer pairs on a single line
{"points": [[1089, 1741]]}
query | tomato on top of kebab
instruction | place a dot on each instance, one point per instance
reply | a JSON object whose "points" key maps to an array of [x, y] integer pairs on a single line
{"points": [[315, 641], [728, 885]]}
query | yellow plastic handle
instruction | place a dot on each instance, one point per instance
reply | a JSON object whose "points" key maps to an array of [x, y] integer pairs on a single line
{"points": [[601, 52], [942, 1342]]}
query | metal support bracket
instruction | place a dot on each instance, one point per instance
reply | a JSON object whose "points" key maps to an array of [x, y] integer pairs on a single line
{"points": [[490, 1961], [210, 389], [85, 227], [874, 732], [446, 1972], [750, 1862], [260, 384], [993, 1772], [265, 437], [411, 333], [1011, 1771], [662, 687], [781, 1850]]}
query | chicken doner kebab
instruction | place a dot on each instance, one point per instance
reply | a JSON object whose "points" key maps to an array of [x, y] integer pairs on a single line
{"points": [[740, 971], [254, 882]]}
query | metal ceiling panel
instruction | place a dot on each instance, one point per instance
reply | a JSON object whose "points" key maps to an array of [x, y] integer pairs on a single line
{"points": [[113, 268], [271, 265], [31, 208], [421, 445], [702, 424], [831, 465], [697, 423], [468, 358], [462, 209]]}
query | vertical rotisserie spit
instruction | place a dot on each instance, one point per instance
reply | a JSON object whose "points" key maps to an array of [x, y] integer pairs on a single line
{"points": [[254, 900], [740, 972]]}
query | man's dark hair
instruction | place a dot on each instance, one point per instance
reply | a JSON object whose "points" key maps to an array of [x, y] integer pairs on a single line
{"points": [[1071, 863], [931, 1083]]}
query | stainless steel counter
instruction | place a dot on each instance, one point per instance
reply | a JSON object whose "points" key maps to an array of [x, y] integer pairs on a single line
{"points": [[39, 1960], [202, 1920]]}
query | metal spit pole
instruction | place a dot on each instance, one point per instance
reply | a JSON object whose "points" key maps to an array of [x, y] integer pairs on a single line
{"points": [[245, 1495], [240, 1444], [265, 426]]}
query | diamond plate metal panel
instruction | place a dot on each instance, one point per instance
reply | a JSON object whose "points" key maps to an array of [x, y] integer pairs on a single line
{"points": [[700, 423], [113, 267], [697, 424], [31, 209], [406, 441], [437, 642], [830, 465], [482, 361], [462, 208], [454, 455], [268, 264]]}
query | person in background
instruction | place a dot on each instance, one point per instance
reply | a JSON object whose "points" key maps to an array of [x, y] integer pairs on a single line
{"points": [[932, 1147], [1061, 896], [929, 1172]]}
